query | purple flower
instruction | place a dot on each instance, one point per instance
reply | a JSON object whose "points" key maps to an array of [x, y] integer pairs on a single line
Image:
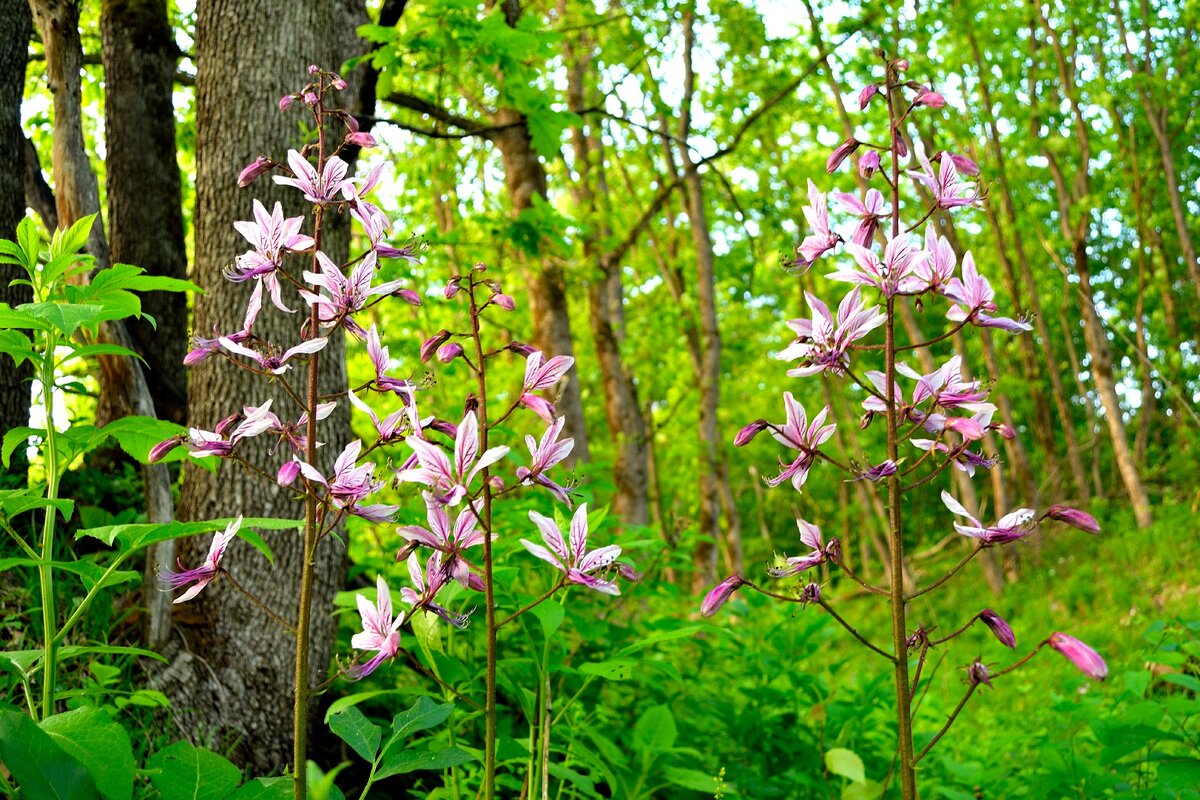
{"points": [[430, 345], [203, 575], [288, 472], [868, 211], [286, 101], [798, 434], [720, 593], [202, 348], [1085, 658], [818, 345], [809, 535], [936, 270], [947, 190], [999, 627], [381, 360], [539, 376], [963, 164], [428, 583], [350, 484], [822, 239], [389, 428], [504, 301], [272, 361], [271, 236], [449, 481], [1074, 517], [747, 434], [930, 99], [320, 189], [253, 170], [380, 633], [160, 450], [884, 469], [868, 164], [451, 539], [545, 454], [347, 293], [977, 673], [894, 275], [361, 139], [573, 559], [975, 300], [1011, 527], [449, 351], [864, 97], [840, 154]]}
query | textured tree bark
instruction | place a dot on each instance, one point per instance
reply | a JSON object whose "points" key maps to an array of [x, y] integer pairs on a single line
{"points": [[14, 44], [231, 674], [145, 214], [622, 408]]}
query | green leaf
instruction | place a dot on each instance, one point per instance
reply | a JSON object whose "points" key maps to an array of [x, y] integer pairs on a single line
{"points": [[847, 764], [137, 436], [550, 615], [686, 632], [423, 715], [692, 779], [265, 789], [655, 730], [398, 762], [67, 317], [18, 346], [95, 350], [617, 669], [353, 728], [354, 699], [42, 768], [24, 660], [184, 772], [14, 438], [12, 318], [18, 501], [30, 239], [101, 745], [73, 239], [135, 536]]}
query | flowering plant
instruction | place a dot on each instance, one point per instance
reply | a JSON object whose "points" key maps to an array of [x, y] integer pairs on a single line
{"points": [[459, 471], [952, 411]]}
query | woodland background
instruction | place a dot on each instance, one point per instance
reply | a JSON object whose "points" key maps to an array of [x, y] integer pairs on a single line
{"points": [[633, 172]]}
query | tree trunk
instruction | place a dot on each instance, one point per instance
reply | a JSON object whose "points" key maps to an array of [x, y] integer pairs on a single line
{"points": [[14, 45], [232, 679], [145, 214], [622, 408]]}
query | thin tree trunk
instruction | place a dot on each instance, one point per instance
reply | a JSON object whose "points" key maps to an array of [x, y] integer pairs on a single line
{"points": [[145, 213], [14, 45], [233, 680], [605, 304]]}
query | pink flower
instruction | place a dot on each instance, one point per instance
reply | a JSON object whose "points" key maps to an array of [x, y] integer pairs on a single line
{"points": [[320, 189], [361, 139], [253, 170], [947, 190], [746, 435], [1085, 658], [202, 348], [719, 594], [451, 539], [271, 236], [381, 360], [573, 559], [864, 97], [822, 238], [539, 376], [447, 480], [1002, 630], [840, 154], [818, 345], [868, 211], [1074, 517], [810, 535], [892, 276], [347, 293], [974, 300], [427, 583], [381, 631], [798, 434], [203, 575], [936, 270], [350, 484], [930, 99], [546, 453], [272, 360], [1011, 527], [868, 164]]}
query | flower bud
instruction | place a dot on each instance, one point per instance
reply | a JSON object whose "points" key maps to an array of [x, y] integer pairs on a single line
{"points": [[255, 168], [409, 296], [407, 550], [448, 429], [496, 482], [1087, 660], [1004, 430], [864, 97], [520, 349], [160, 450], [840, 154], [504, 301], [977, 673], [1074, 517], [901, 147], [963, 164], [864, 421], [351, 123], [833, 550], [340, 84], [313, 69], [286, 101], [627, 572], [868, 164], [931, 99], [720, 593], [448, 352], [288, 473], [878, 472], [361, 139], [224, 425], [451, 289], [310, 98], [433, 343], [747, 434], [479, 267], [901, 64], [1002, 630]]}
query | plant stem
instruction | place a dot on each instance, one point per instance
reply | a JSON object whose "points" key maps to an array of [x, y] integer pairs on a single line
{"points": [[489, 747], [300, 691], [45, 568], [908, 775]]}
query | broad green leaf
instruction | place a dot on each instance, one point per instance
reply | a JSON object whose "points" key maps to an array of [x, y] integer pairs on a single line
{"points": [[73, 239], [20, 320], [16, 345], [137, 436], [14, 438], [30, 239], [398, 761], [95, 350], [18, 501], [135, 536], [692, 779], [43, 770], [846, 763], [354, 699], [353, 728], [184, 772], [67, 317], [617, 669], [101, 745], [23, 660], [550, 615], [655, 730], [664, 636], [423, 715]]}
